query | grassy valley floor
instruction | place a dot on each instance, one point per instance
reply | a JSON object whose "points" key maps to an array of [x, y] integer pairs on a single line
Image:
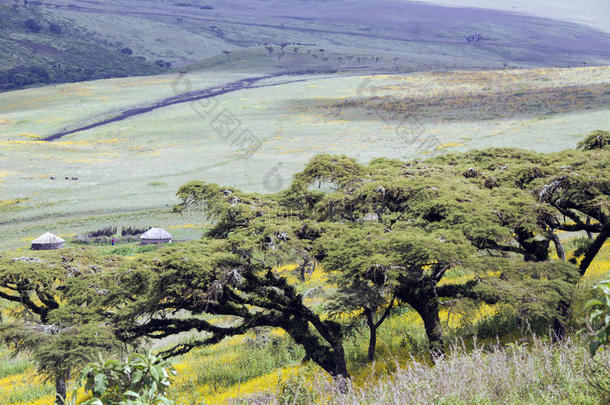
{"points": [[128, 171]]}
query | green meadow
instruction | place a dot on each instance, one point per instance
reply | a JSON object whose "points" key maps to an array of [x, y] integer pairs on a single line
{"points": [[128, 171]]}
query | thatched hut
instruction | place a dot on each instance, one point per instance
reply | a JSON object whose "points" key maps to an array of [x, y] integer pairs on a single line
{"points": [[48, 241], [156, 236]]}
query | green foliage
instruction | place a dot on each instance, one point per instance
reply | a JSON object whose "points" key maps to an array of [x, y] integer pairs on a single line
{"points": [[58, 325], [598, 319], [391, 230], [386, 234], [141, 379], [56, 349], [595, 140]]}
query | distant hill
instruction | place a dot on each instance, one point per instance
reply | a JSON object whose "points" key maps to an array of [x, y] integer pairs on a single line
{"points": [[61, 41], [39, 48]]}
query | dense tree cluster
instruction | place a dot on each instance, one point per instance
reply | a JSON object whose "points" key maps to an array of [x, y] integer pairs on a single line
{"points": [[386, 234]]}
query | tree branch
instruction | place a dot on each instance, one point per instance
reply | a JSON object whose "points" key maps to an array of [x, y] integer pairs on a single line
{"points": [[594, 248], [385, 313]]}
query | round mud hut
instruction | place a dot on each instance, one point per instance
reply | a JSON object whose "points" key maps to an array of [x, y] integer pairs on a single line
{"points": [[156, 236], [48, 241]]}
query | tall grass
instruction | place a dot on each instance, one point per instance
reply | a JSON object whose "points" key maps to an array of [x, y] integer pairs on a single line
{"points": [[535, 373]]}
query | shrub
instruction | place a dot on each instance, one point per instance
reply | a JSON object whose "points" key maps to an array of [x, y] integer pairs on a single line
{"points": [[595, 140], [55, 29], [139, 379], [32, 25], [108, 231], [133, 231]]}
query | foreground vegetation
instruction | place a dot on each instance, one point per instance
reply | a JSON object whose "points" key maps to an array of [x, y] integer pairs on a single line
{"points": [[460, 245], [537, 373]]}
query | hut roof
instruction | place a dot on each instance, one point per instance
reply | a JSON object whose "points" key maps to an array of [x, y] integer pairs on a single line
{"points": [[156, 233], [47, 239]]}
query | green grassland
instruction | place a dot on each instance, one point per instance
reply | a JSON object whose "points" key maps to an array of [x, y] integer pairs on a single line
{"points": [[362, 90], [128, 171]]}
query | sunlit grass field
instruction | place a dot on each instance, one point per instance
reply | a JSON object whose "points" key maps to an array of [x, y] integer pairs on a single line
{"points": [[129, 171]]}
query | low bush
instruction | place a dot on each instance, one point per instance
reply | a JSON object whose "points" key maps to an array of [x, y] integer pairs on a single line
{"points": [[131, 231], [108, 231], [32, 25]]}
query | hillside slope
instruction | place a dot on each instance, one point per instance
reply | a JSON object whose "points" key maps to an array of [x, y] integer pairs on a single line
{"points": [[38, 48], [402, 36]]}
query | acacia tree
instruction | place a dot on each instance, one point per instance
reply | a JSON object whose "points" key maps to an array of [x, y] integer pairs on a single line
{"points": [[491, 198], [431, 220], [59, 335], [373, 267], [229, 274], [387, 230], [283, 228], [387, 233], [546, 194], [457, 208], [362, 283]]}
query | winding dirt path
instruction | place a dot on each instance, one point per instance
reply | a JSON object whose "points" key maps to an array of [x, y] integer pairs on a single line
{"points": [[247, 83]]}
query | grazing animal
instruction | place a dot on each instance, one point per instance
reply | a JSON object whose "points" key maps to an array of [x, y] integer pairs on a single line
{"points": [[67, 178], [74, 178], [52, 177], [473, 38]]}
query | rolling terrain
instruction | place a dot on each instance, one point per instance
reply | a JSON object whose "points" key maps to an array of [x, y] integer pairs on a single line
{"points": [[108, 107], [65, 41], [36, 49], [131, 150]]}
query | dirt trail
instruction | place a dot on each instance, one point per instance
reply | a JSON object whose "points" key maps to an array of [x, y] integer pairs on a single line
{"points": [[247, 83]]}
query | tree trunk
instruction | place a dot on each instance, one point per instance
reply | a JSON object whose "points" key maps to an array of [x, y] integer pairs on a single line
{"points": [[60, 389], [327, 352], [588, 222], [561, 253], [340, 363], [373, 326], [594, 249], [372, 334], [536, 248], [559, 329], [427, 307]]}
